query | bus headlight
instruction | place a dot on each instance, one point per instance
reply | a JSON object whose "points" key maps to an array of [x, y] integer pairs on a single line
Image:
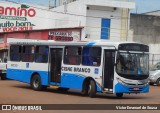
{"points": [[121, 82], [146, 83]]}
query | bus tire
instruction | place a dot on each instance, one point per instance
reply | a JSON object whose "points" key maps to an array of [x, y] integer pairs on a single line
{"points": [[158, 82], [36, 83], [3, 77], [119, 95], [85, 89], [92, 89]]}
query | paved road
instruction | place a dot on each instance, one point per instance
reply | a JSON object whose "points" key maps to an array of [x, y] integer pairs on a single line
{"points": [[13, 92]]}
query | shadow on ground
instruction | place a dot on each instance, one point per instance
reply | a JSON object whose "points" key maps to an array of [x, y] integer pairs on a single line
{"points": [[78, 93]]}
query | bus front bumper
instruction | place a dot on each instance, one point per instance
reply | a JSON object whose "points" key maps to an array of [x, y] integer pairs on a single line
{"points": [[119, 88]]}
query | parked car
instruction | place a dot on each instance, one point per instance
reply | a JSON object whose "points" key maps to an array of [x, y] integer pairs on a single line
{"points": [[154, 74]]}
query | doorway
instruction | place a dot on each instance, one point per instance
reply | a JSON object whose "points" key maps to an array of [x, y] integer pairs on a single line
{"points": [[108, 72], [55, 64]]}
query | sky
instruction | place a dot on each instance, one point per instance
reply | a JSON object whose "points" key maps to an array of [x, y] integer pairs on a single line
{"points": [[142, 6], [38, 2]]}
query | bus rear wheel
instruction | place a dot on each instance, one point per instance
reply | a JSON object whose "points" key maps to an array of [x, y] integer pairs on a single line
{"points": [[92, 88], [36, 83], [119, 95]]}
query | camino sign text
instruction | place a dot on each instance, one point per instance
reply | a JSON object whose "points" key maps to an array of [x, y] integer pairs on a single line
{"points": [[16, 18]]}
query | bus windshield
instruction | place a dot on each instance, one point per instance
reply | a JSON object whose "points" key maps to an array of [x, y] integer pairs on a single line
{"points": [[132, 65]]}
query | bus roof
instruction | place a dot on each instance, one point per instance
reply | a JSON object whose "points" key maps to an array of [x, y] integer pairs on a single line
{"points": [[80, 43]]}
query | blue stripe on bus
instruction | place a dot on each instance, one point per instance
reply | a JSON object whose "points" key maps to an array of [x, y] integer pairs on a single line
{"points": [[74, 81], [119, 88], [68, 80], [91, 44], [25, 75]]}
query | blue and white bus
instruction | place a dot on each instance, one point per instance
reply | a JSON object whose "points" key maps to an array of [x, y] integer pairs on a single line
{"points": [[90, 67]]}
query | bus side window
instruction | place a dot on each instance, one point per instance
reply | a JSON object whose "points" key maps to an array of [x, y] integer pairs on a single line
{"points": [[72, 55], [41, 54], [15, 52], [28, 53], [91, 56]]}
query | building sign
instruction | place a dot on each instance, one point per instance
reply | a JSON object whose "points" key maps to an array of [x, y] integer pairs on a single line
{"points": [[19, 14], [23, 11], [23, 17], [15, 18], [64, 35]]}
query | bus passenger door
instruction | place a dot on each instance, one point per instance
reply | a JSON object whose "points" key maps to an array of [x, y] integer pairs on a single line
{"points": [[108, 70], [55, 64]]}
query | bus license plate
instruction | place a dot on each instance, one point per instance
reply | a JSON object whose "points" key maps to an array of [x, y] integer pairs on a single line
{"points": [[136, 88]]}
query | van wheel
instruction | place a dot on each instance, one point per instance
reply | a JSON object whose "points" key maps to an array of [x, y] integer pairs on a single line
{"points": [[36, 83], [92, 88], [119, 95], [158, 82]]}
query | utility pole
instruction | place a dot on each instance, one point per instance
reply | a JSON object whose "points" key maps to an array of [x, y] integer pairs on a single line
{"points": [[65, 5], [55, 3], [51, 4]]}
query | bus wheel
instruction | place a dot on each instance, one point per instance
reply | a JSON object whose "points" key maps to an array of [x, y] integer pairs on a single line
{"points": [[85, 89], [3, 77], [36, 83], [92, 89], [119, 95], [158, 82]]}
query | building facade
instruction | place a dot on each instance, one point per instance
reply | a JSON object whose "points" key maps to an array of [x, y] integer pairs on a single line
{"points": [[146, 29], [68, 20]]}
